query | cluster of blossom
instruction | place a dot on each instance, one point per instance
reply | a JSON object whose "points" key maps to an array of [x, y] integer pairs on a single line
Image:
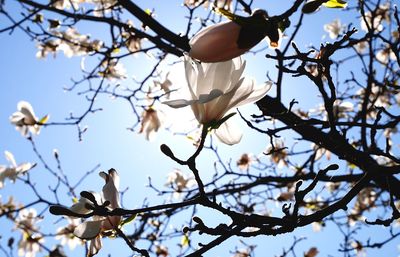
{"points": [[226, 4], [102, 6], [70, 42]]}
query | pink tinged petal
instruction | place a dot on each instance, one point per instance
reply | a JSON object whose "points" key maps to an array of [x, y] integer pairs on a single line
{"points": [[95, 246], [88, 229], [216, 43], [229, 133]]}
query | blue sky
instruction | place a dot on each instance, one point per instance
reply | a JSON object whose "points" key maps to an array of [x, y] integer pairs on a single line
{"points": [[109, 143]]}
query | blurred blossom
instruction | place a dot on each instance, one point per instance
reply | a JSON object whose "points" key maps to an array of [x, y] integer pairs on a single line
{"points": [[332, 186], [335, 28], [245, 161], [358, 248], [66, 234], [375, 19], [93, 230], [30, 241], [216, 89], [242, 253], [113, 69], [164, 86], [70, 42], [312, 252], [226, 4], [25, 119], [278, 154], [316, 226], [162, 251], [361, 46], [133, 43], [321, 152], [385, 54], [13, 171], [179, 182], [150, 123], [341, 109]]}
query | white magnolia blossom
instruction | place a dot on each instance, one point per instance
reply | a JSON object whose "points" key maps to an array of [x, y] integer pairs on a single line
{"points": [[179, 181], [385, 54], [66, 234], [70, 42], [226, 4], [150, 123], [165, 85], [335, 28], [92, 230], [278, 153], [101, 5], [13, 170], [25, 119], [374, 20], [30, 241], [113, 70], [216, 89]]}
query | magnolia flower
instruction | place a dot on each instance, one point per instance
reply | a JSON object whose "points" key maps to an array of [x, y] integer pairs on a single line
{"points": [[374, 20], [278, 153], [216, 89], [113, 70], [150, 123], [25, 119], [179, 181], [335, 28], [30, 241], [13, 171], [244, 162], [227, 40], [66, 234], [94, 229]]}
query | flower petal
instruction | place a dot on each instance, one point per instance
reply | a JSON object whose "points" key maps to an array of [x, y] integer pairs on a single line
{"points": [[10, 158], [229, 133], [88, 229], [110, 189], [95, 246], [178, 103]]}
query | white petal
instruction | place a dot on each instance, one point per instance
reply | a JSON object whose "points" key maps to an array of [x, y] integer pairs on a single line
{"points": [[80, 206], [88, 229], [95, 246], [26, 109], [204, 98], [178, 103], [10, 158], [229, 133], [110, 189]]}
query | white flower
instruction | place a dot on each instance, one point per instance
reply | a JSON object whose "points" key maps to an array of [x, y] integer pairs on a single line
{"points": [[25, 119], [150, 123], [216, 89], [113, 70], [385, 54], [13, 171], [92, 230], [30, 241], [179, 181], [335, 28], [374, 20], [66, 234]]}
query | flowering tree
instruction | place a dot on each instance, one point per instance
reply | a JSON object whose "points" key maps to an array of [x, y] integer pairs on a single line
{"points": [[330, 157]]}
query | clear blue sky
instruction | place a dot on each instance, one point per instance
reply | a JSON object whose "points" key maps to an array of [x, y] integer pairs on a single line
{"points": [[109, 143]]}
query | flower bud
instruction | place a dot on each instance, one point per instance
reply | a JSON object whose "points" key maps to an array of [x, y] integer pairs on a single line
{"points": [[217, 43]]}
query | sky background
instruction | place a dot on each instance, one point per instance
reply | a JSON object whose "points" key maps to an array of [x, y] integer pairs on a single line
{"points": [[109, 143]]}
